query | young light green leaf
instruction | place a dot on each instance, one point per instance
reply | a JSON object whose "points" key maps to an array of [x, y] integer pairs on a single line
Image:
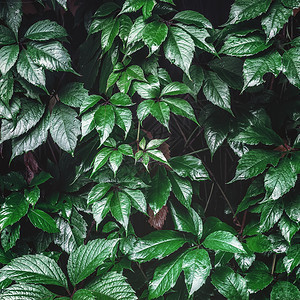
{"points": [[42, 220], [217, 91], [230, 284], [165, 276], [154, 35], [255, 68], [75, 95], [245, 10], [190, 17], [224, 241], [196, 267], [157, 244], [84, 261], [244, 46], [8, 57], [291, 66], [45, 30], [179, 48], [284, 290], [35, 269], [255, 162], [64, 127], [271, 213]]}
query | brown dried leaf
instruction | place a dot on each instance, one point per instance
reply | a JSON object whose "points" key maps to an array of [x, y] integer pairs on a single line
{"points": [[157, 221]]}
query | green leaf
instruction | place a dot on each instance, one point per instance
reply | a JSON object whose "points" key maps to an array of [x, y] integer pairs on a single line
{"points": [[291, 3], [109, 34], [125, 27], [153, 144], [31, 112], [161, 112], [30, 71], [32, 139], [26, 291], [137, 198], [279, 180], [186, 220], [255, 68], [190, 17], [292, 259], [121, 99], [7, 37], [157, 155], [8, 57], [105, 121], [51, 56], [135, 72], [120, 207], [6, 91], [258, 280], [40, 178], [32, 195], [154, 35], [35, 269], [245, 10], [157, 244], [9, 236], [87, 102], [175, 88], [254, 163], [42, 220], [149, 90], [14, 15], [112, 286], [179, 48], [244, 46], [217, 91], [159, 191], [196, 267], [136, 31], [291, 66], [126, 149], [277, 16], [101, 208], [132, 6], [106, 9], [196, 81], [182, 189], [225, 241], [84, 294], [148, 7], [75, 95], [62, 3], [271, 213], [115, 161], [259, 243], [244, 261], [189, 166], [230, 284], [64, 127], [101, 158], [213, 224], [288, 228], [284, 290], [123, 119], [292, 207], [13, 210], [165, 276], [45, 30], [84, 261]]}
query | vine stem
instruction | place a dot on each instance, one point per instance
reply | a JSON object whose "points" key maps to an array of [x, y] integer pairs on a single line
{"points": [[138, 135], [89, 232], [273, 263], [197, 151], [209, 197]]}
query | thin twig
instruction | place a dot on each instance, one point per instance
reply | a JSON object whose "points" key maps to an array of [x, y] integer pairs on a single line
{"points": [[209, 197], [197, 151], [182, 133], [273, 263]]}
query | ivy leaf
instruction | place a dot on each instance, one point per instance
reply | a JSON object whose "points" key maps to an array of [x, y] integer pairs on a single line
{"points": [[8, 57], [284, 290], [271, 213], [112, 285], [277, 16], [30, 291], [147, 8], [121, 99], [101, 159], [154, 34], [244, 46], [244, 261], [136, 31], [159, 191], [259, 243], [105, 121], [213, 224], [6, 90], [123, 119], [186, 220], [132, 6], [230, 284], [109, 33], [179, 48], [255, 68], [125, 26], [137, 198], [288, 227], [255, 162], [161, 112], [27, 269], [30, 71], [115, 161], [51, 56], [9, 236], [174, 88], [258, 280], [190, 17], [101, 208], [146, 91], [64, 127], [224, 241], [189, 166], [291, 66], [7, 37], [136, 72], [279, 180], [165, 276], [42, 220], [196, 81], [13, 210], [120, 207], [244, 10], [182, 189], [196, 267], [84, 261], [45, 30], [75, 95], [157, 244], [217, 91]]}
